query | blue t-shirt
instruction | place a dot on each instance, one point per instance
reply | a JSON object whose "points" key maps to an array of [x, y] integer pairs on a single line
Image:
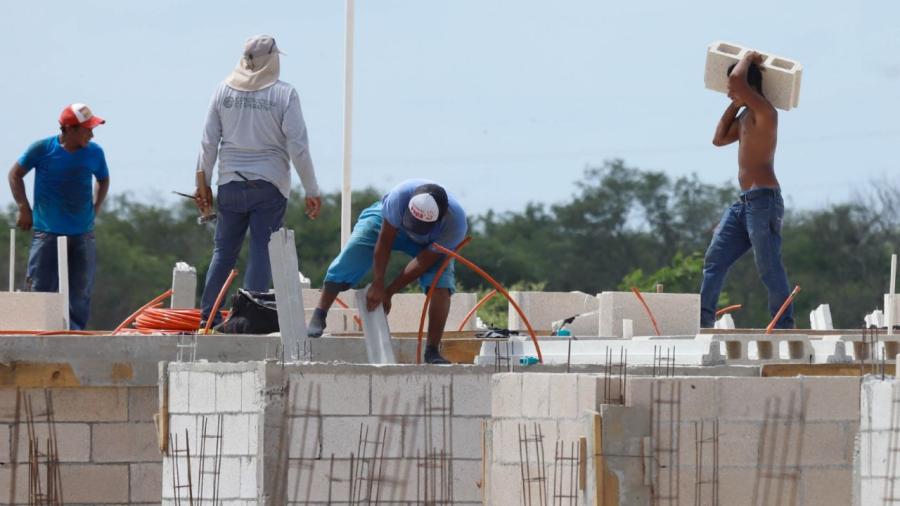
{"points": [[449, 232], [63, 185]]}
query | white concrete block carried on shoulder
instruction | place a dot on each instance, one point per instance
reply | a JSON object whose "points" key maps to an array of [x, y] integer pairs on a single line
{"points": [[781, 76]]}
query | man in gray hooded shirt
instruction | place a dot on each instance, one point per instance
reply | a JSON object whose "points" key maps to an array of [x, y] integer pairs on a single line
{"points": [[255, 129]]}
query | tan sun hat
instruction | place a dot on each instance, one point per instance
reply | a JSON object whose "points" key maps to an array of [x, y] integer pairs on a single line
{"points": [[258, 67]]}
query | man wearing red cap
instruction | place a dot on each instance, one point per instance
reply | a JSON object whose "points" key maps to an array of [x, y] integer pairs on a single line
{"points": [[65, 204]]}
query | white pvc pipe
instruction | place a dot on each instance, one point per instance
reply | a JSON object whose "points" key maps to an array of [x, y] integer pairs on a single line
{"points": [[348, 125], [890, 309], [62, 267], [12, 258]]}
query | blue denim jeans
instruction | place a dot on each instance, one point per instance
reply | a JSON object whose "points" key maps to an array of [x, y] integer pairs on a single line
{"points": [[753, 222], [43, 274], [355, 260], [259, 206]]}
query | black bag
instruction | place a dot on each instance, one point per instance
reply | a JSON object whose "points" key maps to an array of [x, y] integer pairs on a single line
{"points": [[251, 313]]}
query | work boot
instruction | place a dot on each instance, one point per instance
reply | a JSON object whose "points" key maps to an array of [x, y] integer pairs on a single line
{"points": [[433, 356], [316, 323]]}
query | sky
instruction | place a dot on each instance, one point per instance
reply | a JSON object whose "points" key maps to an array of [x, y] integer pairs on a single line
{"points": [[504, 102]]}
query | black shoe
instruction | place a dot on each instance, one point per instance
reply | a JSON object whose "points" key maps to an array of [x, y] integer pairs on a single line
{"points": [[316, 324], [433, 356]]}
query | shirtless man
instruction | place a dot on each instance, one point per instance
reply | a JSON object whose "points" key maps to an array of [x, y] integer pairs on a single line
{"points": [[754, 221]]}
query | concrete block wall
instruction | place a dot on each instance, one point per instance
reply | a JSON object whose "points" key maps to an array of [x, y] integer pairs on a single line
{"points": [[676, 313], [876, 456], [557, 407], [106, 438], [301, 434], [780, 440], [544, 308], [205, 391], [428, 419]]}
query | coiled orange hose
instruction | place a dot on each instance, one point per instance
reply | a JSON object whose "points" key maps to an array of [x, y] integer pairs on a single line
{"points": [[163, 296]]}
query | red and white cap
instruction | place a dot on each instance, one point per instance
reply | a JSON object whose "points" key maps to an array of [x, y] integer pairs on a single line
{"points": [[79, 114], [423, 207]]}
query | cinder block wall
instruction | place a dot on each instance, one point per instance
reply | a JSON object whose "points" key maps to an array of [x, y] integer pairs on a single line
{"points": [[779, 440], [328, 433], [877, 452], [106, 439], [536, 419]]}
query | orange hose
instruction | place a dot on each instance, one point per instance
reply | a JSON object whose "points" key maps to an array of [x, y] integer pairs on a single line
{"points": [[345, 306], [637, 293], [165, 295], [729, 309], [219, 298], [500, 289], [434, 282], [474, 309], [784, 307]]}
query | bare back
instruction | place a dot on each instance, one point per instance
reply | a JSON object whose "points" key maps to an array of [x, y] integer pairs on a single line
{"points": [[756, 151]]}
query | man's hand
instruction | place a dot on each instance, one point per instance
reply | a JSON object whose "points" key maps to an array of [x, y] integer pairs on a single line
{"points": [[375, 296], [203, 197], [313, 205], [25, 220], [756, 58]]}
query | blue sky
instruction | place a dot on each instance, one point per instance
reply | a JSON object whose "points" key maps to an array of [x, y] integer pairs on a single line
{"points": [[504, 102]]}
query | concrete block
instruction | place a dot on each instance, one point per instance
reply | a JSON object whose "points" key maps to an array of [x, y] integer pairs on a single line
{"points": [[467, 437], [467, 481], [124, 442], [82, 404], [228, 393], [202, 392], [251, 392], [184, 287], [179, 391], [502, 491], [249, 484], [230, 478], [406, 311], [725, 322], [95, 484], [146, 483], [143, 403], [588, 393], [536, 395], [759, 398], [317, 481], [181, 424], [563, 395], [8, 397], [472, 394], [691, 398], [544, 308], [341, 435], [304, 440], [31, 311], [291, 316], [506, 434], [676, 313], [506, 395], [72, 439], [568, 432], [237, 435], [410, 393], [828, 486], [832, 398], [781, 79]]}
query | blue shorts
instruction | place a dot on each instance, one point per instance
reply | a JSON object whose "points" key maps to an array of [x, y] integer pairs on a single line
{"points": [[355, 260]]}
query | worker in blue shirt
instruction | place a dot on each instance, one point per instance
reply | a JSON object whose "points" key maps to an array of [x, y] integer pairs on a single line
{"points": [[66, 200], [411, 218]]}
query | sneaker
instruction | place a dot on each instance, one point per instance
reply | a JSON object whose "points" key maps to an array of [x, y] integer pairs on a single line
{"points": [[433, 356], [316, 324]]}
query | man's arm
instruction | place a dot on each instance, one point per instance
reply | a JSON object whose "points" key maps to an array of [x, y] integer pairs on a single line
{"points": [[737, 81], [294, 128], [101, 188], [206, 160], [17, 186], [728, 129], [415, 268], [382, 255]]}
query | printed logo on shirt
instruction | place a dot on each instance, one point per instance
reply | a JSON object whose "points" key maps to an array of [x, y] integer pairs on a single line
{"points": [[247, 103]]}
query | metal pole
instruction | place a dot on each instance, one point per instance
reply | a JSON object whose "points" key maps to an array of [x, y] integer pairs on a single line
{"points": [[889, 310], [348, 124], [12, 258]]}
